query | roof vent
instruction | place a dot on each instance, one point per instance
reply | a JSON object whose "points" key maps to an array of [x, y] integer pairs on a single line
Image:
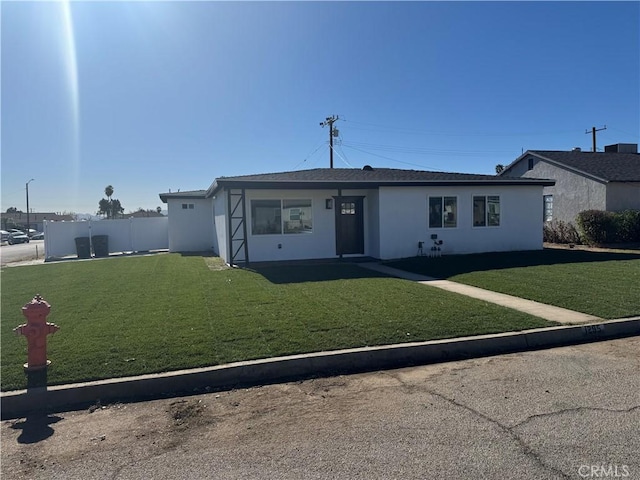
{"points": [[367, 168], [576, 149]]}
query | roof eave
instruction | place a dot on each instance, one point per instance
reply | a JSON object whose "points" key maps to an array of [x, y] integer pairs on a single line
{"points": [[514, 162], [570, 168], [179, 195], [333, 185]]}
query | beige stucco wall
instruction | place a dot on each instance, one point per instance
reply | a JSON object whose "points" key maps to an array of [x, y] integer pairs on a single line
{"points": [[623, 196], [572, 193]]}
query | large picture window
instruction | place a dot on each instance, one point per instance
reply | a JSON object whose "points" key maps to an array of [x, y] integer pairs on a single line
{"points": [[443, 212], [486, 211], [275, 217]]}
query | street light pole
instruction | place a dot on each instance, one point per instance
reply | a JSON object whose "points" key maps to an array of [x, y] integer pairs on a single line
{"points": [[27, 188]]}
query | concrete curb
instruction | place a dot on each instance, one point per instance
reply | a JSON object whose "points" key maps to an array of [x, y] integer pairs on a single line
{"points": [[274, 370]]}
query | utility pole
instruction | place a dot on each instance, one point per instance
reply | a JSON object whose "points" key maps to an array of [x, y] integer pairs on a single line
{"points": [[332, 133], [593, 133], [27, 188]]}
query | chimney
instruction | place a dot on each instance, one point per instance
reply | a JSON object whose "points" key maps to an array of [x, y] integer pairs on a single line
{"points": [[622, 148]]}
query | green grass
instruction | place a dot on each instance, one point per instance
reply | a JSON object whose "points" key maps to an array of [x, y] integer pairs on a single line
{"points": [[599, 283], [129, 316]]}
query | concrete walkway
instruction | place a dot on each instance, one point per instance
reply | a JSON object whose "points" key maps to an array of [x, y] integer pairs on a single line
{"points": [[548, 312]]}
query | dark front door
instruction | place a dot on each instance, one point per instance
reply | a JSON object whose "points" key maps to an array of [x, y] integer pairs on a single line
{"points": [[349, 225]]}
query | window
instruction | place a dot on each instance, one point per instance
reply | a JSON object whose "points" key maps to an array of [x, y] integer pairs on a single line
{"points": [[186, 206], [347, 208], [297, 216], [443, 212], [548, 207], [266, 217], [530, 164], [275, 217], [486, 211]]}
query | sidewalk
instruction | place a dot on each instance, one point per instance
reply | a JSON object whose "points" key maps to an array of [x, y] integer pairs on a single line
{"points": [[548, 312]]}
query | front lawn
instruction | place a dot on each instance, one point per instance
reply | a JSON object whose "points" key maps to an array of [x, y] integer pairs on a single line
{"points": [[599, 283], [129, 316]]}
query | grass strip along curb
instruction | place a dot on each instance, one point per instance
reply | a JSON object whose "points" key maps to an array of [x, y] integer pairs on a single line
{"points": [[123, 317], [295, 367]]}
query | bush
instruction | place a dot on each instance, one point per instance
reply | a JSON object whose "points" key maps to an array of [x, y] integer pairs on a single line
{"points": [[598, 227], [628, 226], [558, 231]]}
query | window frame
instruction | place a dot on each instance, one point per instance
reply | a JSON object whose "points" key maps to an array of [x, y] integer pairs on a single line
{"points": [[443, 221], [283, 230], [487, 214]]}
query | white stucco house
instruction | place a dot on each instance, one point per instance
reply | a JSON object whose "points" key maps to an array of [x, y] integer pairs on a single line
{"points": [[374, 212]]}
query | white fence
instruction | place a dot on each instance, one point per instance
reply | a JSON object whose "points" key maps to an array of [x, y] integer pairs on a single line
{"points": [[130, 235]]}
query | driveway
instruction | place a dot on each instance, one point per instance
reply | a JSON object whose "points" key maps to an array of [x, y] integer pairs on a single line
{"points": [[571, 412]]}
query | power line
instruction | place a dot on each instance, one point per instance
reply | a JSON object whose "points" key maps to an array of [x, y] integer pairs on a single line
{"points": [[323, 144], [388, 128], [420, 150], [392, 159], [343, 159]]}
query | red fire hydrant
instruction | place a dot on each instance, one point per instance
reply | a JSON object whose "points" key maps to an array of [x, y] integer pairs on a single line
{"points": [[36, 330]]}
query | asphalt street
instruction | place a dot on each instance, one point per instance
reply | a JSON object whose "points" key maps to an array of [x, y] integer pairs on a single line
{"points": [[571, 412], [21, 251]]}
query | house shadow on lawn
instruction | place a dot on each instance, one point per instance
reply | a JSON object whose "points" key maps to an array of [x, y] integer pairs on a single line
{"points": [[312, 271], [450, 265]]}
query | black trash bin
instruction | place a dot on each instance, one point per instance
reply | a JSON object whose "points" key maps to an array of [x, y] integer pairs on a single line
{"points": [[100, 245], [83, 247]]}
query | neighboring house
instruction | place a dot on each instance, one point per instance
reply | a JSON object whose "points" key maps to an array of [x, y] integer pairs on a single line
{"points": [[36, 220], [144, 214], [381, 213], [608, 180]]}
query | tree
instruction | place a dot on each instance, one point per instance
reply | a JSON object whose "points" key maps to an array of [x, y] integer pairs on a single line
{"points": [[116, 208], [159, 209], [104, 208], [499, 168], [110, 207]]}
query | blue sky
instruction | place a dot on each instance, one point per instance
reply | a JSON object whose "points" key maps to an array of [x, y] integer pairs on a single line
{"points": [[153, 96]]}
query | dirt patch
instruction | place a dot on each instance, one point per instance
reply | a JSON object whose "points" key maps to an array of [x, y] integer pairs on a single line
{"points": [[623, 248], [187, 413], [215, 263]]}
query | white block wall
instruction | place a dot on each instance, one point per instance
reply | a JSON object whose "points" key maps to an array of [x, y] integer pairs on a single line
{"points": [[191, 230], [127, 235]]}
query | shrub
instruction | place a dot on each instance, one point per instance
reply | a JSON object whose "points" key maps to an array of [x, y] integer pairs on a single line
{"points": [[628, 226], [558, 231], [598, 227]]}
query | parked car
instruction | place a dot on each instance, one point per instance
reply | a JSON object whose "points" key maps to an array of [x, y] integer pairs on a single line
{"points": [[37, 236], [5, 235], [18, 237]]}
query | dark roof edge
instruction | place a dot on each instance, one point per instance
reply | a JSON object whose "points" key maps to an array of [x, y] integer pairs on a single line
{"points": [[188, 194], [333, 185]]}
